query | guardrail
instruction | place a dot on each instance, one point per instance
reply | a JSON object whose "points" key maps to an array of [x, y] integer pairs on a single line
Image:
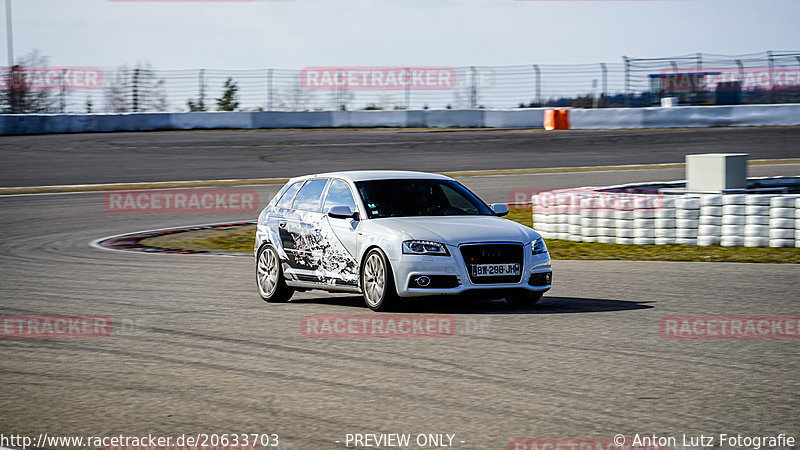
{"points": [[604, 118]]}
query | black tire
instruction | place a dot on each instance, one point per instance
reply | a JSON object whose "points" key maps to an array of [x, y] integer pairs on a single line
{"points": [[377, 281], [272, 288], [524, 300]]}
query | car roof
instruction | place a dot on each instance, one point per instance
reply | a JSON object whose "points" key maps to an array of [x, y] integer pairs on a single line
{"points": [[365, 175]]}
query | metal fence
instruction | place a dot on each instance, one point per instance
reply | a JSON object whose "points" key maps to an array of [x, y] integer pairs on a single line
{"points": [[770, 77]]}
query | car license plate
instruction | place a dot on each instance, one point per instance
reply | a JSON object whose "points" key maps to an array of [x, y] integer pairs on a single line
{"points": [[495, 270]]}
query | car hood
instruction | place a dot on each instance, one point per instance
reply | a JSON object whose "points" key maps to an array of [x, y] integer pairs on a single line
{"points": [[455, 230]]}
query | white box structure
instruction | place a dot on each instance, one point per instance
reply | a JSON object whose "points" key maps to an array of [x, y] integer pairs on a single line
{"points": [[716, 172]]}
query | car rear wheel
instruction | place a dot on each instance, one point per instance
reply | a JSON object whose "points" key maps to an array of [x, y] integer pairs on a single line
{"points": [[524, 300], [377, 281], [269, 276]]}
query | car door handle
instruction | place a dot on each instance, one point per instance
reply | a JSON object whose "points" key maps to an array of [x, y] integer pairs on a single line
{"points": [[282, 224]]}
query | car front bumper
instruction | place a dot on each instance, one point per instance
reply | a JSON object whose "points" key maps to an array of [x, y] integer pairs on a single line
{"points": [[449, 276]]}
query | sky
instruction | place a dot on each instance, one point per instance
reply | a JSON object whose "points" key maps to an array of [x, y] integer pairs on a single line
{"points": [[293, 34]]}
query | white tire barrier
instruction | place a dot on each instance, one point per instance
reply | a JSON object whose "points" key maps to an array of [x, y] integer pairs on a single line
{"points": [[687, 223], [687, 213], [782, 213], [708, 240], [624, 232], [710, 220], [733, 230], [757, 220], [606, 223], [605, 214], [734, 199], [665, 213], [733, 220], [737, 210], [627, 214], [709, 230], [781, 233], [710, 210], [665, 233], [623, 223], [710, 200], [783, 202], [756, 210], [644, 214], [687, 203], [761, 231], [727, 220], [756, 241], [731, 241], [605, 231], [761, 200], [589, 213], [781, 223], [664, 223]]}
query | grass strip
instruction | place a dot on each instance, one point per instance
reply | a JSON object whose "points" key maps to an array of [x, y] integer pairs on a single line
{"points": [[240, 240]]}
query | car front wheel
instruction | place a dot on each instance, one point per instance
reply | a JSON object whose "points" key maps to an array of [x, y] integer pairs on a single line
{"points": [[377, 281], [269, 276]]}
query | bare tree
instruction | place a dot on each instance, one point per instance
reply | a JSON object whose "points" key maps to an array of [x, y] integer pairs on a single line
{"points": [[138, 90], [295, 97], [20, 93]]}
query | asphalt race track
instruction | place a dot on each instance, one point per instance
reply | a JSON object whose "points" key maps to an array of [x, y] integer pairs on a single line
{"points": [[213, 155], [195, 350]]}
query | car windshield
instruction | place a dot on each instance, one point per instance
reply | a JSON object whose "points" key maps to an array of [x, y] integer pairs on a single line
{"points": [[411, 197]]}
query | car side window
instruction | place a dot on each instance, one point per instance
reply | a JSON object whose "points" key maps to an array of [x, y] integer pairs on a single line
{"points": [[339, 194], [309, 196], [288, 195]]}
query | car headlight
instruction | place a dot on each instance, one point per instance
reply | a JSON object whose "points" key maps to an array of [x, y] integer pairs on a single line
{"points": [[424, 248], [538, 247]]}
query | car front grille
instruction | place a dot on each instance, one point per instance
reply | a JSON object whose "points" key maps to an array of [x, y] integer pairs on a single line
{"points": [[493, 254]]}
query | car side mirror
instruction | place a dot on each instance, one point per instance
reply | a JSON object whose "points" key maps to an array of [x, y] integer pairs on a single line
{"points": [[499, 209], [342, 212]]}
